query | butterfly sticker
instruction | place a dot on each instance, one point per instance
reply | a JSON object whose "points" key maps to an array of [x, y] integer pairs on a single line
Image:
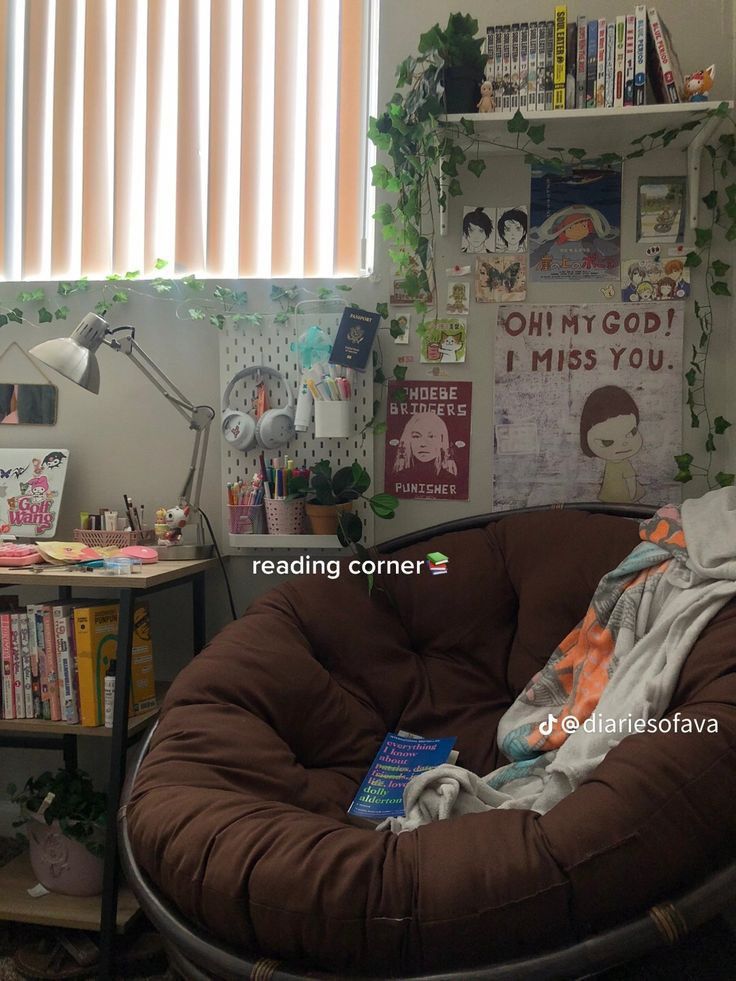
{"points": [[13, 472], [608, 291], [505, 279]]}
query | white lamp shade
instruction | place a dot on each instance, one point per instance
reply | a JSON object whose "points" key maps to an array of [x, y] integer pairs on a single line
{"points": [[74, 357]]}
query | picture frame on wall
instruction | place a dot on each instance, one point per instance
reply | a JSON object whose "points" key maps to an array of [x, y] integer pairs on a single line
{"points": [[660, 209]]}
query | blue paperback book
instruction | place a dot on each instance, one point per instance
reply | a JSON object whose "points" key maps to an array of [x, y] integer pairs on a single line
{"points": [[354, 340], [398, 760]]}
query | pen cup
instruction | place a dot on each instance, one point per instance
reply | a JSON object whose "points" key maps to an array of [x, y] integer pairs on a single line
{"points": [[285, 517], [246, 519], [332, 419]]}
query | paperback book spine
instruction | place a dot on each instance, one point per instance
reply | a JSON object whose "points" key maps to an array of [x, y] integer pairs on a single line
{"points": [[620, 63], [591, 66], [582, 52], [610, 59], [558, 94], [6, 645], [51, 663], [541, 63], [523, 67], [514, 104], [549, 77], [600, 78], [629, 65], [33, 647], [498, 72], [506, 68], [532, 77], [20, 705], [640, 55], [25, 661], [663, 61], [62, 616]]}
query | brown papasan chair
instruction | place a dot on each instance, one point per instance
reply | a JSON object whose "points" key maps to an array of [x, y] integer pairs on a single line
{"points": [[234, 833]]}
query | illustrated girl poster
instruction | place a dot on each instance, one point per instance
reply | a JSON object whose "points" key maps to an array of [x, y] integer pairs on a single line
{"points": [[444, 341], [31, 482], [587, 403], [428, 441], [575, 225]]}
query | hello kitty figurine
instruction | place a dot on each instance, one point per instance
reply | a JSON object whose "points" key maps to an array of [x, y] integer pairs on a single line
{"points": [[176, 519], [486, 103], [699, 84]]}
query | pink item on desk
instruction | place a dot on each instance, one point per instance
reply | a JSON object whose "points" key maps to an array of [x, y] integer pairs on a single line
{"points": [[12, 554], [146, 555]]}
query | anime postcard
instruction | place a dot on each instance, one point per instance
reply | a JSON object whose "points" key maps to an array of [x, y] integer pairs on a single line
{"points": [[31, 482], [575, 233]]}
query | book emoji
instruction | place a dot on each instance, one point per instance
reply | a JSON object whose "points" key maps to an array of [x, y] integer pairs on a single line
{"points": [[437, 563]]}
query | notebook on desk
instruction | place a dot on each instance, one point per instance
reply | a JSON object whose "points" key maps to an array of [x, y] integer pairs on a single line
{"points": [[31, 484]]}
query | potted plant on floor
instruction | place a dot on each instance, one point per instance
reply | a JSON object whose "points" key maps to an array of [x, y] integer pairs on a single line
{"points": [[65, 820], [330, 497]]}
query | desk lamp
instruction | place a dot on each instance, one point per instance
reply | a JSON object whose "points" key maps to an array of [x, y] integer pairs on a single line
{"points": [[75, 358]]}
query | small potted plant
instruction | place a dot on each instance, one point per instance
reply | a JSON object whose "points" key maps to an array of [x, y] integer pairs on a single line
{"points": [[65, 820], [457, 52], [329, 500]]}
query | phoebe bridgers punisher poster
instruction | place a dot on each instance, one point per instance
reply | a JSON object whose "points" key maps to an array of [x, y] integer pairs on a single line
{"points": [[587, 404], [428, 440]]}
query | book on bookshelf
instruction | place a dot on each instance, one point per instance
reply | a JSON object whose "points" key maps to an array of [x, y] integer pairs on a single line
{"points": [[506, 67], [541, 62], [52, 664], [64, 639], [619, 67], [523, 67], [600, 74], [532, 71], [640, 55], [610, 63], [399, 758], [571, 62], [20, 706], [514, 85], [629, 60], [560, 48], [549, 62], [581, 60], [6, 650], [665, 75], [591, 64], [25, 659], [498, 69]]}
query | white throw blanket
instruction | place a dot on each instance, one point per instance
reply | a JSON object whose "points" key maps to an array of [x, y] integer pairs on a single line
{"points": [[655, 616]]}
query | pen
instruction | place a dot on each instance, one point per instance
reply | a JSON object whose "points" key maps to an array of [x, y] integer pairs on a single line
{"points": [[128, 511]]}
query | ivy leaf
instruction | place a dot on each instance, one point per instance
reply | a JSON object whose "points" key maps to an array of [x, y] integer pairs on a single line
{"points": [[193, 283], [61, 313], [16, 315], [517, 123], [381, 175], [576, 152], [133, 274], [455, 190], [690, 377], [710, 445], [3, 320], [477, 166], [720, 268], [217, 320], [378, 376], [731, 233], [343, 288], [160, 264], [282, 317], [536, 133], [720, 425], [382, 309], [384, 215], [400, 372], [702, 237], [400, 395], [684, 460], [120, 297], [710, 200], [683, 476], [195, 313], [44, 316], [692, 260], [720, 288], [101, 308], [468, 126], [724, 479], [632, 155]]}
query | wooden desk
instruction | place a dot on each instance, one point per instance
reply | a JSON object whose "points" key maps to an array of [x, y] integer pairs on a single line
{"points": [[35, 733]]}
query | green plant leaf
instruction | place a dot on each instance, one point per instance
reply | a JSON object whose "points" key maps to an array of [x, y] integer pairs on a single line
{"points": [[193, 283], [702, 237], [476, 166], [720, 425], [400, 372], [720, 268], [724, 479], [382, 309], [683, 476], [160, 264], [378, 428], [692, 260], [635, 153], [684, 460], [384, 214], [349, 528], [120, 297], [361, 477], [720, 288], [536, 133], [577, 152], [61, 313], [16, 315], [517, 123], [710, 200], [384, 505], [3, 320], [454, 189], [710, 445], [468, 126], [45, 316], [399, 395], [195, 313], [378, 376], [690, 377]]}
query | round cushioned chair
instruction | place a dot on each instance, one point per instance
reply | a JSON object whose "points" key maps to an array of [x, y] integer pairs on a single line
{"points": [[234, 832]]}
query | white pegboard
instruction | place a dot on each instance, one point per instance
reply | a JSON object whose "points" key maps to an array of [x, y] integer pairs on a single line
{"points": [[270, 345]]}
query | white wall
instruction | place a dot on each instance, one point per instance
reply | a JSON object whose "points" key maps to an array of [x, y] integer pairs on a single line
{"points": [[128, 440]]}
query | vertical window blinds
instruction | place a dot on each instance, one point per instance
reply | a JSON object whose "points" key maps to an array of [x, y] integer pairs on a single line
{"points": [[225, 136]]}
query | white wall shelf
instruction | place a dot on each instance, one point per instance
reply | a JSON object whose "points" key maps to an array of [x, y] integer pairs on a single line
{"points": [[601, 131], [274, 542]]}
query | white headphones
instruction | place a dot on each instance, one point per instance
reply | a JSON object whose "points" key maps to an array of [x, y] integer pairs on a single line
{"points": [[275, 427]]}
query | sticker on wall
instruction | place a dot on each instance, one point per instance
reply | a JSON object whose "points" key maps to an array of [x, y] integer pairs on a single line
{"points": [[444, 341], [660, 209], [428, 440], [645, 280], [511, 229], [499, 278], [458, 297], [575, 222], [399, 327], [477, 232]]}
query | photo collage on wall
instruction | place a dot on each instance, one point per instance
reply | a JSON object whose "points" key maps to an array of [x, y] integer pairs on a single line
{"points": [[498, 239]]}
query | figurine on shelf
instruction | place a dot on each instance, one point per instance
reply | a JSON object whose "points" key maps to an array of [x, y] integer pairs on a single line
{"points": [[176, 519], [486, 103], [160, 528], [699, 84]]}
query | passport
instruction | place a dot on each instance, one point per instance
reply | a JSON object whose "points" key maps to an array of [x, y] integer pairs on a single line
{"points": [[354, 340]]}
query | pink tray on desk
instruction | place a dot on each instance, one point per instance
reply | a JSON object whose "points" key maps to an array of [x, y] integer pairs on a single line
{"points": [[19, 557]]}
